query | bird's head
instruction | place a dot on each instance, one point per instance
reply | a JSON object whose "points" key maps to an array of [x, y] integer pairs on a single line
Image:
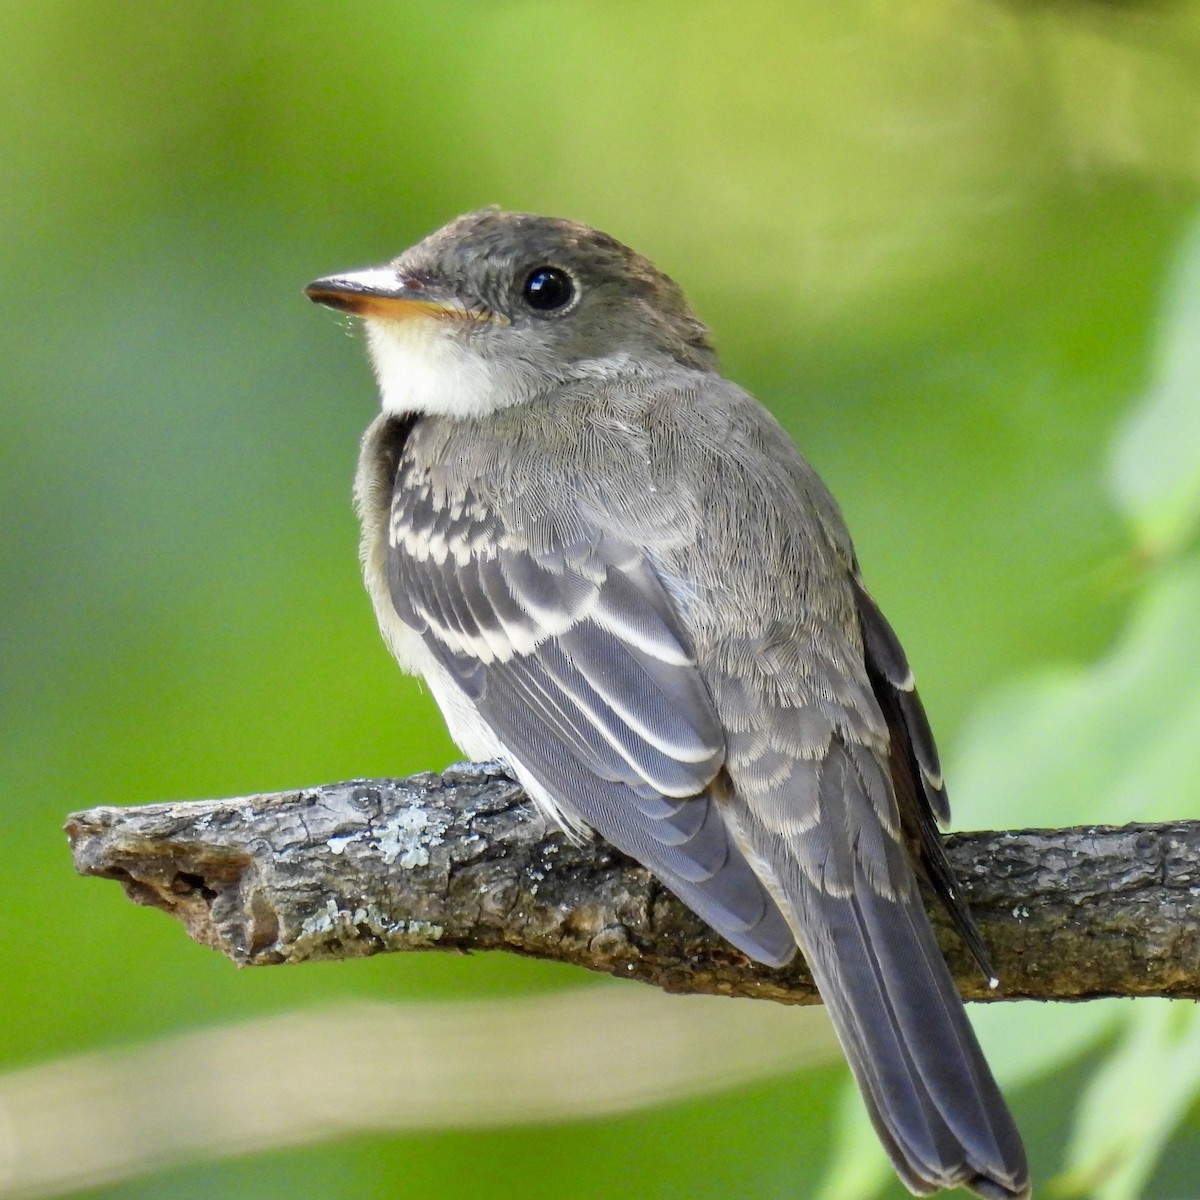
{"points": [[496, 307]]}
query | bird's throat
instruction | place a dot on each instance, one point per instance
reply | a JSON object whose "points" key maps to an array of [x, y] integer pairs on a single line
{"points": [[423, 367]]}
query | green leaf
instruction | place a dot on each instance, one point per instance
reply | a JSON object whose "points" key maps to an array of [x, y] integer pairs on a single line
{"points": [[1156, 464], [1113, 742], [1135, 1102]]}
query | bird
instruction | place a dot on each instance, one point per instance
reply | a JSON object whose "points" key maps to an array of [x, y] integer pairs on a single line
{"points": [[619, 577]]}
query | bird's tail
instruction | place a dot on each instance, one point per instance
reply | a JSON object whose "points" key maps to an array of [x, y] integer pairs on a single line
{"points": [[913, 1052], [852, 900]]}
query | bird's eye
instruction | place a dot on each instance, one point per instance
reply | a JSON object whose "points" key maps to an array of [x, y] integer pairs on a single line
{"points": [[548, 288]]}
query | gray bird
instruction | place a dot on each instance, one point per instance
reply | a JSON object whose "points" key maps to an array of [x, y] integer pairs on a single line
{"points": [[619, 577]]}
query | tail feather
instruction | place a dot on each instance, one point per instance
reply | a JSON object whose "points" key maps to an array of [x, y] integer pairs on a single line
{"points": [[856, 910], [912, 1050]]}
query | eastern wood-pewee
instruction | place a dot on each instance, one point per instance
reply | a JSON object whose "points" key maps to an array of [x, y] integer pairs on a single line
{"points": [[620, 578]]}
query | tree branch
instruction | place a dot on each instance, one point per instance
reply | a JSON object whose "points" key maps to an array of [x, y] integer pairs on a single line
{"points": [[461, 861]]}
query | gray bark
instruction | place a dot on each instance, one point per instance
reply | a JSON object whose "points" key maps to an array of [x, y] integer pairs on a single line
{"points": [[460, 861]]}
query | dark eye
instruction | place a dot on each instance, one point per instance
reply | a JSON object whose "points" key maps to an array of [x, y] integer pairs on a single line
{"points": [[548, 288]]}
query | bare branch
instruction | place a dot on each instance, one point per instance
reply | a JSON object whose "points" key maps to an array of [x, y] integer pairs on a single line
{"points": [[460, 861]]}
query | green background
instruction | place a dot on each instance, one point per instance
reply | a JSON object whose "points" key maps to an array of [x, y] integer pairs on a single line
{"points": [[938, 239]]}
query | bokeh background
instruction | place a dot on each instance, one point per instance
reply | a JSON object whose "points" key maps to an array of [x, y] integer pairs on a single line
{"points": [[951, 243]]}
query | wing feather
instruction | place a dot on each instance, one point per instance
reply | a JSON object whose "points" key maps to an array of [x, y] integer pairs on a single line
{"points": [[572, 652], [887, 661], [915, 769]]}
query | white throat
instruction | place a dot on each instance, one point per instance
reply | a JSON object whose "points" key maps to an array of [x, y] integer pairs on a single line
{"points": [[422, 367]]}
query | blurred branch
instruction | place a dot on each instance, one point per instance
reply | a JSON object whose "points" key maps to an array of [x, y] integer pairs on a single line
{"points": [[355, 1067], [461, 861]]}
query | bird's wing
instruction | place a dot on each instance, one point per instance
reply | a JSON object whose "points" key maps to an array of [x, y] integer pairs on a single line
{"points": [[572, 652], [915, 768]]}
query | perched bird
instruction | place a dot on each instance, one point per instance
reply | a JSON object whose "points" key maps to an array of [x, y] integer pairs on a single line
{"points": [[620, 578]]}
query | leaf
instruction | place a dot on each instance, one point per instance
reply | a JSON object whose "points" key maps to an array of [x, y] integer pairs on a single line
{"points": [[1113, 742], [1156, 466], [1135, 1102]]}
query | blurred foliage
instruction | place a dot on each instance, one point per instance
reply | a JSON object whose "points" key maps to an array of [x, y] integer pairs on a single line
{"points": [[1156, 467], [947, 242]]}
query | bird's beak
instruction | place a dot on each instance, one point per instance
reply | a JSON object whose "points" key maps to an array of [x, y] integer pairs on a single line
{"points": [[383, 293]]}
